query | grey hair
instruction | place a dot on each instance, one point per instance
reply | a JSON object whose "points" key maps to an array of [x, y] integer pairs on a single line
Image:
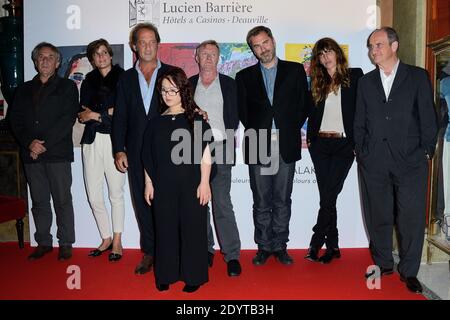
{"points": [[205, 43], [35, 52], [391, 34]]}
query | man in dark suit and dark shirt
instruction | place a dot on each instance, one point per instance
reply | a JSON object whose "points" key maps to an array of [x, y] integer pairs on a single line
{"points": [[41, 117], [137, 102], [395, 132], [273, 104]]}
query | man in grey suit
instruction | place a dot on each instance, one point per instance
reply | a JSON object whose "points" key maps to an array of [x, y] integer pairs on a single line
{"points": [[395, 133]]}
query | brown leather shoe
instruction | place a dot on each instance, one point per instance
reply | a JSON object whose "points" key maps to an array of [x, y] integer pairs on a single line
{"points": [[145, 265], [39, 252], [65, 253]]}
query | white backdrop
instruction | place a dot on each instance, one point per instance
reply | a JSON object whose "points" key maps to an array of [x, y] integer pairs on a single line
{"points": [[77, 22]]}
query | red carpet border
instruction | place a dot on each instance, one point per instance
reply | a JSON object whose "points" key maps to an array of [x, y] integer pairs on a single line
{"points": [[49, 279]]}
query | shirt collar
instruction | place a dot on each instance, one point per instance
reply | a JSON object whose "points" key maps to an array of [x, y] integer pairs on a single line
{"points": [[138, 69], [393, 72], [272, 67], [37, 79], [216, 79]]}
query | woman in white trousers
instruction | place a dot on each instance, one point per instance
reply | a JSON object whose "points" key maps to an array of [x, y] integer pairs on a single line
{"points": [[97, 99]]}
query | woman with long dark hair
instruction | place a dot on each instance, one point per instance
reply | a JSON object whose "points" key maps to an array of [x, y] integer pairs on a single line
{"points": [[330, 138], [177, 165]]}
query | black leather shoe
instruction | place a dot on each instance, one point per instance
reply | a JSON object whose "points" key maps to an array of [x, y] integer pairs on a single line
{"points": [[39, 252], [145, 265], [64, 253], [383, 272], [189, 289], [234, 268], [412, 284], [330, 255], [162, 287], [114, 257], [97, 252], [312, 255], [210, 259], [261, 257], [283, 257]]}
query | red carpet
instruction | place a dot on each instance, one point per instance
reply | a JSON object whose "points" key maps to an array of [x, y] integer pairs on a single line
{"points": [[46, 279]]}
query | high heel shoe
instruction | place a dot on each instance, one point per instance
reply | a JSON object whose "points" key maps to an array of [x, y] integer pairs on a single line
{"points": [[162, 287], [189, 289], [312, 255], [98, 252]]}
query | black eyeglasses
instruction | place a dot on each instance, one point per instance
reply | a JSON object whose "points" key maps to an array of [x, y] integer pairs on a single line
{"points": [[170, 92]]}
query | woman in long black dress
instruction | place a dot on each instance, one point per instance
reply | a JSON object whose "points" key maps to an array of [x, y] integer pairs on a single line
{"points": [[177, 166], [330, 138]]}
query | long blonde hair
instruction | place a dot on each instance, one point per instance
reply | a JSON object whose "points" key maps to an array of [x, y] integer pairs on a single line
{"points": [[321, 82]]}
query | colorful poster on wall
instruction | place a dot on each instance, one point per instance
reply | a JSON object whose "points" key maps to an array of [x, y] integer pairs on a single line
{"points": [[233, 57]]}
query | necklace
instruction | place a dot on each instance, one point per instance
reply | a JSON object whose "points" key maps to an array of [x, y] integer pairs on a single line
{"points": [[174, 115]]}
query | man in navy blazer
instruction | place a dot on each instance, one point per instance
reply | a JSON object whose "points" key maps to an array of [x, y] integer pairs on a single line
{"points": [[137, 102], [216, 94], [395, 132], [273, 103]]}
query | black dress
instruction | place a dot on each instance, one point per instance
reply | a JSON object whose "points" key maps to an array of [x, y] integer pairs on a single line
{"points": [[181, 248]]}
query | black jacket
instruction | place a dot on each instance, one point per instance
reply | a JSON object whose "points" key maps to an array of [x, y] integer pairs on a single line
{"points": [[290, 107], [348, 103], [406, 122], [129, 118], [45, 112], [230, 108], [229, 94], [98, 93]]}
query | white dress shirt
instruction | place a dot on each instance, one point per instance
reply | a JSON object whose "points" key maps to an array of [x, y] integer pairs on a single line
{"points": [[388, 80]]}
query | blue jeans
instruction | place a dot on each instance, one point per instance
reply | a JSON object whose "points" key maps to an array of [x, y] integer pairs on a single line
{"points": [[272, 205]]}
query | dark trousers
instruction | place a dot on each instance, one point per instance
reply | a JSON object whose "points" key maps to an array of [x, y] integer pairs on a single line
{"points": [[272, 205], [144, 212], [332, 159], [51, 180], [224, 218], [181, 241], [394, 193]]}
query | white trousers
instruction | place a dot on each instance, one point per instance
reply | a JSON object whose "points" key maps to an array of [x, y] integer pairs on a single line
{"points": [[98, 163]]}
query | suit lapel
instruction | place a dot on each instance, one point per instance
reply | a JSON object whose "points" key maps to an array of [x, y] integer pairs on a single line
{"points": [[224, 90], [137, 85], [399, 78], [154, 101], [344, 101], [376, 80], [319, 109], [278, 79], [260, 82]]}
